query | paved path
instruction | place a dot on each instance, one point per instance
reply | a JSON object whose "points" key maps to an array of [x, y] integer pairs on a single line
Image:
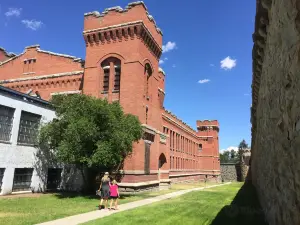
{"points": [[85, 217]]}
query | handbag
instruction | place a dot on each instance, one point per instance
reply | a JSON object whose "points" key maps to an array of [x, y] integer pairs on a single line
{"points": [[98, 192]]}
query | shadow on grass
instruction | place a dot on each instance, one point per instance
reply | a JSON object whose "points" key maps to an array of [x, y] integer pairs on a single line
{"points": [[245, 209], [62, 195]]}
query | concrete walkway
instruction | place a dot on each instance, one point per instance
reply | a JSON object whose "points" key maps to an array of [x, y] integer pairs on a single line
{"points": [[85, 217]]}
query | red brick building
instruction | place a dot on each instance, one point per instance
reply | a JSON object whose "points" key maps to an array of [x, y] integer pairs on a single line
{"points": [[123, 48]]}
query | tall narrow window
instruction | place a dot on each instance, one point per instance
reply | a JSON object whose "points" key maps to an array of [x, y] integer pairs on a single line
{"points": [[148, 73], [147, 114], [117, 77], [6, 122], [28, 130], [2, 170], [106, 78]]}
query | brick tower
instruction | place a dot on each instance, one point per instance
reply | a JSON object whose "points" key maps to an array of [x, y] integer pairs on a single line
{"points": [[123, 47], [208, 130]]}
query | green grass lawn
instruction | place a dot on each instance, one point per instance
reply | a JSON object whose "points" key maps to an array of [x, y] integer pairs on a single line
{"points": [[195, 208], [31, 210]]}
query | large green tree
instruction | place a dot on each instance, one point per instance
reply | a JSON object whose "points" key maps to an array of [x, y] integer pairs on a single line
{"points": [[90, 132]]}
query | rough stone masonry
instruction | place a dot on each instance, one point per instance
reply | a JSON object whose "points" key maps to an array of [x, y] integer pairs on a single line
{"points": [[275, 162]]}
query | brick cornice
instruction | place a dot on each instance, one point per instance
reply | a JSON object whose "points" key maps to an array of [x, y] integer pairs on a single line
{"points": [[120, 32], [42, 77], [168, 118]]}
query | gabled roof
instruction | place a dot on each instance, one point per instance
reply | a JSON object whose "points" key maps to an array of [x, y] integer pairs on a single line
{"points": [[22, 96], [37, 47]]}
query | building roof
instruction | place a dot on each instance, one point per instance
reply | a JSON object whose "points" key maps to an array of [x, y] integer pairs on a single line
{"points": [[24, 97], [13, 56], [8, 54]]}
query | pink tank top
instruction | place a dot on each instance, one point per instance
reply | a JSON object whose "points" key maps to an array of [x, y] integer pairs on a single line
{"points": [[113, 190]]}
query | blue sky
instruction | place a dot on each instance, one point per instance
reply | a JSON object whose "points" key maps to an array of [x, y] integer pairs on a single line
{"points": [[207, 51]]}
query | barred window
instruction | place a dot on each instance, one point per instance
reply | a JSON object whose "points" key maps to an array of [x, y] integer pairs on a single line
{"points": [[22, 179], [2, 170], [29, 127], [117, 77], [106, 79], [6, 122], [111, 67]]}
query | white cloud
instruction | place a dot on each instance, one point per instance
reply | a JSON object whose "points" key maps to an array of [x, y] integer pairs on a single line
{"points": [[32, 24], [161, 61], [212, 65], [169, 46], [203, 81], [236, 149], [228, 63], [173, 65], [13, 12]]}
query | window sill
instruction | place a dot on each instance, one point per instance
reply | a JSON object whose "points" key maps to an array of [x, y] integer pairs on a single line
{"points": [[104, 92], [5, 142], [24, 144], [115, 91]]}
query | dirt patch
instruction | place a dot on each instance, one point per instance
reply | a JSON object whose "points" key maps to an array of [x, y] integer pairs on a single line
{"points": [[29, 195]]}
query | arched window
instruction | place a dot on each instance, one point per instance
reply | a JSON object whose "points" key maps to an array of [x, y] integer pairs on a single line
{"points": [[148, 72], [111, 67], [147, 75]]}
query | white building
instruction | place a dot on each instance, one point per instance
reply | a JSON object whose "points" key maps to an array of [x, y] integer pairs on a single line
{"points": [[22, 167]]}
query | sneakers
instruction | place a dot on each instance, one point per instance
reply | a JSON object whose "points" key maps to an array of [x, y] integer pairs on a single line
{"points": [[101, 207]]}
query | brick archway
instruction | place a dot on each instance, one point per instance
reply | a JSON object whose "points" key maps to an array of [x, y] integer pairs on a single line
{"points": [[162, 161]]}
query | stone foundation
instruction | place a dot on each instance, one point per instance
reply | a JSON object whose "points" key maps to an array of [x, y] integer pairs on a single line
{"points": [[138, 189]]}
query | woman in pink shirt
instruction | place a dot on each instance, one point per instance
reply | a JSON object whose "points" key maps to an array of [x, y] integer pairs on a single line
{"points": [[114, 194]]}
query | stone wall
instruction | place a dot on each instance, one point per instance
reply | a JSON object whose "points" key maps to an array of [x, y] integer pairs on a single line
{"points": [[275, 166], [229, 172]]}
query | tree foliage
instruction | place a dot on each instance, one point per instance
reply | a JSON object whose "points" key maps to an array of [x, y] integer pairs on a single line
{"points": [[243, 145], [90, 132], [232, 156]]}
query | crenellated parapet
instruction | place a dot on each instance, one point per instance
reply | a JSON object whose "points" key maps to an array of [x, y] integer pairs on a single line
{"points": [[123, 32], [259, 39], [206, 125], [172, 117], [119, 25], [119, 9]]}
